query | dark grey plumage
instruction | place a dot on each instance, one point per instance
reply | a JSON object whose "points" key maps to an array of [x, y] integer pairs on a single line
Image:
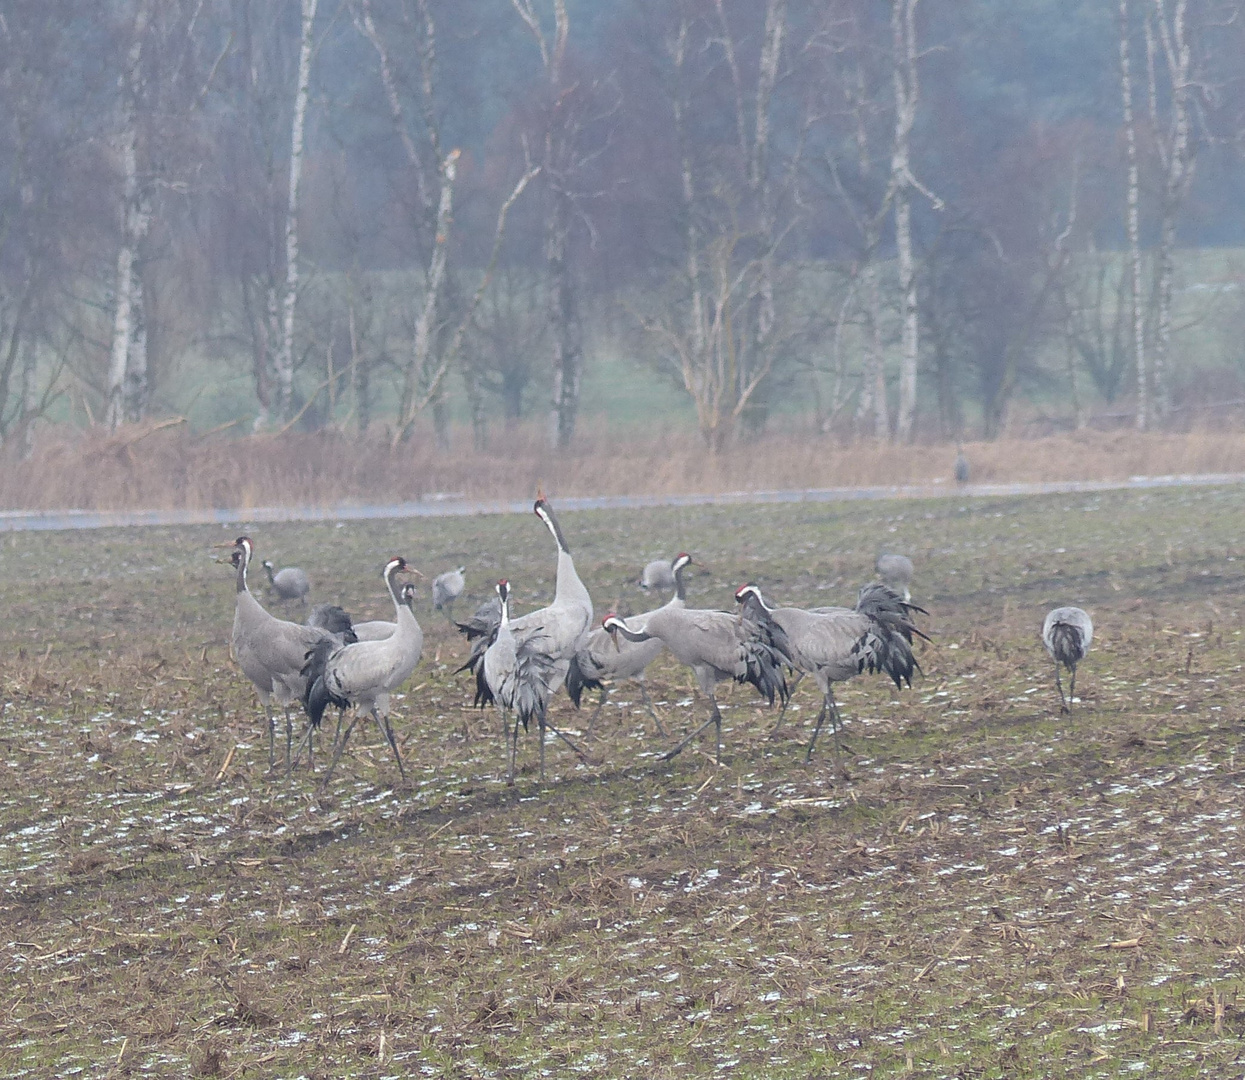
{"points": [[716, 646], [334, 619], [1067, 633], [290, 583], [836, 644]]}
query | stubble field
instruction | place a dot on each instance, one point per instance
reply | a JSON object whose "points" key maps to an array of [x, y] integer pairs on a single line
{"points": [[988, 889]]}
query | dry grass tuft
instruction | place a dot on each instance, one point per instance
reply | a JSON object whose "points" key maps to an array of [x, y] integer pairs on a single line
{"points": [[159, 467]]}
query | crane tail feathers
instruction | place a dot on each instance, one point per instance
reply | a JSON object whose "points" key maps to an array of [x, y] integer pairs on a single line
{"points": [[577, 681]]}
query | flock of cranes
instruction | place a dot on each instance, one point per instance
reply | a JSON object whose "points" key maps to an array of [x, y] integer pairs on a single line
{"points": [[519, 663]]}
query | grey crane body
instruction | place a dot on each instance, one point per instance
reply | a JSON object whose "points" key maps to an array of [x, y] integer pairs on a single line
{"points": [[291, 583], [605, 657], [716, 645], [556, 630], [365, 673], [1067, 633], [659, 574], [836, 644], [379, 629], [446, 588], [270, 651], [514, 676], [896, 573]]}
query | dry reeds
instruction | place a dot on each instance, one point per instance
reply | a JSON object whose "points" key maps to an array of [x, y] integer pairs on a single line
{"points": [[171, 468]]}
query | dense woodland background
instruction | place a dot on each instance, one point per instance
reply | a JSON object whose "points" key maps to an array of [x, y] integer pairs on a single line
{"points": [[421, 218]]}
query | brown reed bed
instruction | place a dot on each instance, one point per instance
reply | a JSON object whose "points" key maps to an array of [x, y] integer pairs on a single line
{"points": [[155, 467]]}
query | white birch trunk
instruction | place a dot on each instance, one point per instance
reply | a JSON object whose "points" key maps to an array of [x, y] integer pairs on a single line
{"points": [[1178, 175], [284, 366], [903, 29], [135, 219], [1132, 206]]}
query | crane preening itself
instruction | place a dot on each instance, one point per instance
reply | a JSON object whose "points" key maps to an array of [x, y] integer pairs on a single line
{"points": [[1067, 634], [716, 645], [365, 673], [836, 644], [271, 651]]}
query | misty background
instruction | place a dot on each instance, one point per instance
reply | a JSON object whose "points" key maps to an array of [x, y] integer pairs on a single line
{"points": [[877, 218]]}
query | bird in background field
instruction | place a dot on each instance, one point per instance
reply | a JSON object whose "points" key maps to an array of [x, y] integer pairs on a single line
{"points": [[836, 644], [290, 583], [446, 588], [961, 466], [716, 645], [365, 673], [604, 657], [1067, 634], [895, 572], [659, 574], [271, 651]]}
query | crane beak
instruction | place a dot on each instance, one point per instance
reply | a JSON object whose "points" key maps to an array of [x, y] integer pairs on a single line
{"points": [[231, 544], [412, 570]]}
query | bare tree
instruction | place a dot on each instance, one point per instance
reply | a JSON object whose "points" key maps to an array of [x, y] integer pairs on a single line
{"points": [[1133, 220]]}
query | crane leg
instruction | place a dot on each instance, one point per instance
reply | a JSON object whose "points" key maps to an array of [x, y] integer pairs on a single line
{"points": [[561, 735], [1072, 688], [289, 741], [540, 728], [338, 750], [821, 719], [651, 711], [1063, 702], [512, 751], [829, 708], [790, 694], [716, 719], [600, 705], [304, 741], [386, 729], [272, 749]]}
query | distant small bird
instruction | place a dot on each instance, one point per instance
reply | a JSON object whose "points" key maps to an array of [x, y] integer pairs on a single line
{"points": [[1067, 633], [895, 572], [961, 466], [291, 583], [659, 574], [446, 588]]}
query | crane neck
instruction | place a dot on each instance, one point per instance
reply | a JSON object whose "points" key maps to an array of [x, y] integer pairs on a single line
{"points": [[680, 590], [272, 580], [551, 523], [243, 560]]}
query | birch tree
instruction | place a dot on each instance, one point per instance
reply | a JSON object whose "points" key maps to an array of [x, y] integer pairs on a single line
{"points": [[128, 353], [284, 366], [1132, 210], [1167, 33]]}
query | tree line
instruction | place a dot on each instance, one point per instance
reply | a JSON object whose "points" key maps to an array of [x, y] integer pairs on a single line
{"points": [[887, 216]]}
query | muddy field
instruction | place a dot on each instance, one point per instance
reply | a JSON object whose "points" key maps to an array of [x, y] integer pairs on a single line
{"points": [[989, 889]]}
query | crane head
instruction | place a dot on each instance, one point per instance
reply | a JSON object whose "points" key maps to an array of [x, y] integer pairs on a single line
{"points": [[398, 565], [503, 590], [611, 623], [408, 592]]}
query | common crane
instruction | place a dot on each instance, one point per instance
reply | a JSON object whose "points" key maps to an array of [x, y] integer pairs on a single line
{"points": [[895, 572], [446, 588], [558, 629], [270, 651], [515, 675], [659, 574], [716, 645], [365, 673], [1067, 634], [291, 583], [836, 644], [604, 657]]}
